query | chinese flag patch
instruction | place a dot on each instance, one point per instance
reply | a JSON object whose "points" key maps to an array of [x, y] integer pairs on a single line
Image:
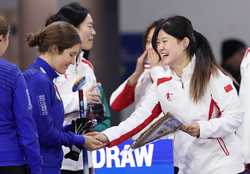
{"points": [[228, 88]]}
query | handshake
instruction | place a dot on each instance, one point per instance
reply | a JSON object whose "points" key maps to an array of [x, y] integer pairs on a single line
{"points": [[95, 114], [93, 141]]}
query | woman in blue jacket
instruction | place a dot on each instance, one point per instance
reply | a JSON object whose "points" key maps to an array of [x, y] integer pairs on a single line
{"points": [[19, 147], [58, 45], [81, 18]]}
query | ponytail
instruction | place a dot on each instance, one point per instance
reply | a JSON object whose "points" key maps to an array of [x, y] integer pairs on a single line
{"points": [[34, 39], [4, 26], [205, 65], [60, 34]]}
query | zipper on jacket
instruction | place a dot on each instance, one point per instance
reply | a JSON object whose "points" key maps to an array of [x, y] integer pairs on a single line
{"points": [[182, 83]]}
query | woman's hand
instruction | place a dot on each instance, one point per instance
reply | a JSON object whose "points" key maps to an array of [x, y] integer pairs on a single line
{"points": [[153, 58], [140, 63], [192, 129], [99, 140], [92, 143], [132, 80], [92, 95]]}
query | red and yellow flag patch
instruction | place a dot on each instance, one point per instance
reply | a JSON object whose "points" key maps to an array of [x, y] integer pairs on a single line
{"points": [[228, 88]]}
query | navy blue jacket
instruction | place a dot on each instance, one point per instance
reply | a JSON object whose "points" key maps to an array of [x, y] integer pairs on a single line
{"points": [[48, 113], [18, 136]]}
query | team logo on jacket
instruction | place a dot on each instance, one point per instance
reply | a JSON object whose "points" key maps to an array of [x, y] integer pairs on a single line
{"points": [[169, 96], [42, 105]]}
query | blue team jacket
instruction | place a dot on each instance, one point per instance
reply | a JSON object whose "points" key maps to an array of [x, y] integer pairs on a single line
{"points": [[48, 113], [18, 136]]}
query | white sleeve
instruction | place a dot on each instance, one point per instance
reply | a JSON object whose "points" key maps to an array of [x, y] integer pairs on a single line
{"points": [[70, 99], [117, 91], [157, 72], [148, 110], [70, 102], [225, 95], [89, 74], [245, 101]]}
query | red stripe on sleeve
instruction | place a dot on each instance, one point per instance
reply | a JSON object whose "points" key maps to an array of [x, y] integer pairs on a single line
{"points": [[124, 99], [155, 113]]}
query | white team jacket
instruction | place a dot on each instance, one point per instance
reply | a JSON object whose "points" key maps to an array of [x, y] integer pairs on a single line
{"points": [[217, 151], [127, 97], [245, 101], [71, 101]]}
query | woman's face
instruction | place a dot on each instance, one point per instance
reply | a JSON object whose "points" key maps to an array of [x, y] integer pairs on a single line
{"points": [[149, 38], [87, 33], [170, 49], [4, 43], [152, 59], [61, 62]]}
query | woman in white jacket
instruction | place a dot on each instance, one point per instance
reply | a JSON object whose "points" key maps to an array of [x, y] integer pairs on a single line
{"points": [[130, 93], [245, 101], [81, 18], [196, 92]]}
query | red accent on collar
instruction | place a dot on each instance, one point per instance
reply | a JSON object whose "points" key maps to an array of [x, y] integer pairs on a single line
{"points": [[246, 52], [88, 63], [162, 80]]}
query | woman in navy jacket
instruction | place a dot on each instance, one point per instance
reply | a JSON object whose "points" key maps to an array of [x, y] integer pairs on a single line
{"points": [[58, 45], [19, 147]]}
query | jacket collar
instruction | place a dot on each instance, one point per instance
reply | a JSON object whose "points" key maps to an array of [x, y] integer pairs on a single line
{"points": [[46, 68], [187, 71]]}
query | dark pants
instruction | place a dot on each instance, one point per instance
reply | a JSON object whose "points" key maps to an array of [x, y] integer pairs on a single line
{"points": [[14, 170], [71, 172], [176, 170], [75, 172]]}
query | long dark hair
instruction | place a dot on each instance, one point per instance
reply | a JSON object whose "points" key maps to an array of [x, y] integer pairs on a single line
{"points": [[73, 13], [149, 28], [61, 34], [205, 64]]}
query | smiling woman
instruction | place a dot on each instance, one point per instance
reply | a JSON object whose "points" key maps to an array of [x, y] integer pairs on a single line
{"points": [[79, 16], [58, 45], [202, 97], [58, 52]]}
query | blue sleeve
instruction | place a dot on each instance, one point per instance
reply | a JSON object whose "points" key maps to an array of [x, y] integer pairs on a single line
{"points": [[50, 134], [26, 127], [67, 127]]}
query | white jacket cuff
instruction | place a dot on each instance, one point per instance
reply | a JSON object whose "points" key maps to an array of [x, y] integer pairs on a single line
{"points": [[204, 126]]}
